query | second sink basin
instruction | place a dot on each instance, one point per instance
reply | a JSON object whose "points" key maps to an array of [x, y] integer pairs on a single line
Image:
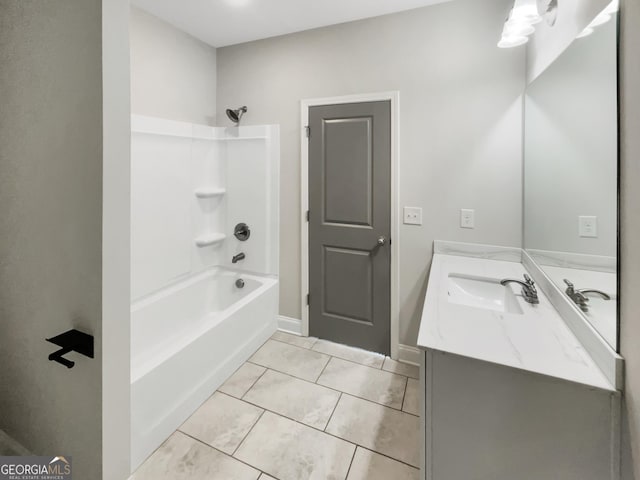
{"points": [[482, 292]]}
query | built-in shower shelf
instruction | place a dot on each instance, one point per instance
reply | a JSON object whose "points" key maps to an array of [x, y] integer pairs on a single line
{"points": [[210, 192], [210, 239]]}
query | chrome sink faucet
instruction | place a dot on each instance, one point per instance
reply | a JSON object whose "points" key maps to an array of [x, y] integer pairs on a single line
{"points": [[238, 257], [529, 292], [579, 297], [576, 296]]}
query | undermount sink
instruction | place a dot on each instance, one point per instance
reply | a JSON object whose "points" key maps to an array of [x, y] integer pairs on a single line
{"points": [[482, 292]]}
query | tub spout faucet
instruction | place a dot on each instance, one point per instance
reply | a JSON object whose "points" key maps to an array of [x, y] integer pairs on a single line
{"points": [[237, 258], [529, 292]]}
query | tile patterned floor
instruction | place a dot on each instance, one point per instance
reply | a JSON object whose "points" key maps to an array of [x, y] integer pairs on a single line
{"points": [[299, 409]]}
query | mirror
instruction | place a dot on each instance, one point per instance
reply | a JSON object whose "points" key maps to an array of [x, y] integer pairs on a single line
{"points": [[571, 174]]}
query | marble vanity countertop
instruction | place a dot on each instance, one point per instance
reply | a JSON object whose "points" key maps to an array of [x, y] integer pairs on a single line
{"points": [[538, 340]]}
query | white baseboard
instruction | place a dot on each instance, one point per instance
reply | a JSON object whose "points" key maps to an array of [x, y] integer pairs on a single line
{"points": [[409, 354], [290, 325], [406, 353]]}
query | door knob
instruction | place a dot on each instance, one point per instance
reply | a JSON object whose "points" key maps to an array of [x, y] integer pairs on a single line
{"points": [[382, 240]]}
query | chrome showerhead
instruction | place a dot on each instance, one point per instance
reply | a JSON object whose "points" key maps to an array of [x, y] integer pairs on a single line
{"points": [[236, 115]]}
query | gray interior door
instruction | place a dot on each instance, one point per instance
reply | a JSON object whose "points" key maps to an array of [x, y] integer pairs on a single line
{"points": [[349, 224]]}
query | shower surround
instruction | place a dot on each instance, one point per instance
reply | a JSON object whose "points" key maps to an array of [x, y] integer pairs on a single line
{"points": [[192, 322]]}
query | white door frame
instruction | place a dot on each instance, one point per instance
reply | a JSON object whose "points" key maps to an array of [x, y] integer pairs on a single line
{"points": [[394, 98]]}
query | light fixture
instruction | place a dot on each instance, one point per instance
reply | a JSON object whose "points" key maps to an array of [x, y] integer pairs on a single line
{"points": [[519, 24], [523, 30], [525, 11], [548, 9], [512, 41]]}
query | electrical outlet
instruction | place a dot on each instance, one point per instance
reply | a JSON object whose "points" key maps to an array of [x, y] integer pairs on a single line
{"points": [[467, 218], [588, 227], [412, 216]]}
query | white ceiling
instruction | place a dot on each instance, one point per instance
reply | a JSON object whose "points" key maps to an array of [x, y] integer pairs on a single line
{"points": [[227, 22]]}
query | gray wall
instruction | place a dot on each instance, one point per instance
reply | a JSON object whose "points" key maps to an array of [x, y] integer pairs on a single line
{"points": [[460, 123], [630, 231], [173, 75], [51, 224]]}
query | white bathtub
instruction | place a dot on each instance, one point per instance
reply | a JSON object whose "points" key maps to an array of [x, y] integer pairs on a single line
{"points": [[185, 341]]}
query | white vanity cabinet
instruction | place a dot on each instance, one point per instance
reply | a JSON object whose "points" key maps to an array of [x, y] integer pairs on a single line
{"points": [[484, 421], [509, 395]]}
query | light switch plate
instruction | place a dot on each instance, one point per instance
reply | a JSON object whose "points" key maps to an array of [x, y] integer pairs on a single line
{"points": [[412, 216], [467, 218], [588, 226]]}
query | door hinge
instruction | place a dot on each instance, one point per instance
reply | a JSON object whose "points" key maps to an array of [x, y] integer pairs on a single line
{"points": [[308, 215], [308, 299], [308, 131]]}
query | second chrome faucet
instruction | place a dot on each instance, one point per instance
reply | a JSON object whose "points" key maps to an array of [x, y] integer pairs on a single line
{"points": [[578, 296]]}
